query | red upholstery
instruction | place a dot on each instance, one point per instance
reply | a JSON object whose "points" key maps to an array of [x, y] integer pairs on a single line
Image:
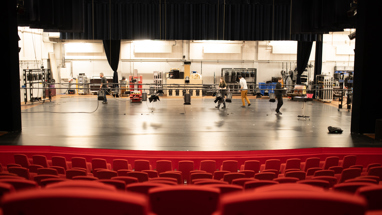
{"points": [[316, 182], [349, 174], [271, 164], [324, 173], [241, 181], [275, 171], [60, 169], [47, 181], [47, 171], [200, 175], [185, 200], [61, 161], [312, 170], [20, 184], [229, 165], [226, 188], [376, 171], [86, 178], [292, 202], [350, 187], [118, 184], [143, 188], [22, 160], [176, 175], [163, 166], [251, 165], [100, 163], [370, 177], [75, 172], [309, 163], [140, 165], [365, 180], [6, 188], [41, 160], [329, 162], [20, 171], [347, 161], [141, 176], [78, 184], [265, 176], [290, 187], [257, 184], [151, 173], [81, 163], [220, 174], [204, 181], [357, 166], [127, 179], [38, 178], [123, 172], [286, 180], [208, 165], [331, 179], [77, 201], [248, 173], [371, 165], [292, 163], [161, 181], [232, 175], [106, 174], [337, 169], [121, 164], [186, 167], [373, 196]]}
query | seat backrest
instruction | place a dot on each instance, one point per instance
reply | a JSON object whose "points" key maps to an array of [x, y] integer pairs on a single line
{"points": [[311, 162], [81, 184], [47, 181], [47, 171], [252, 165], [208, 166], [118, 184], [143, 188], [324, 173], [365, 180], [220, 174], [316, 182], [75, 172], [204, 181], [294, 202], [140, 165], [151, 173], [312, 170], [349, 173], [20, 171], [331, 161], [6, 188], [293, 163], [177, 176], [241, 181], [258, 183], [230, 165], [163, 166], [22, 160], [372, 165], [39, 178], [331, 179], [40, 160], [120, 164], [141, 176], [186, 167], [99, 163], [226, 188], [350, 187], [106, 174], [185, 200], [77, 201], [337, 169], [232, 175], [273, 164], [348, 160], [85, 178], [373, 195], [248, 173], [60, 169], [265, 176], [282, 180], [200, 175], [376, 171], [290, 187], [127, 179], [59, 161], [123, 172], [79, 162], [20, 184], [276, 172]]}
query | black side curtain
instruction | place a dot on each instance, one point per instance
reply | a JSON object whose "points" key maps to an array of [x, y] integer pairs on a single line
{"points": [[303, 54], [112, 50]]}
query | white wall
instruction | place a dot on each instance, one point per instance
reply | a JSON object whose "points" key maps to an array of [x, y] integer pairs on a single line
{"points": [[88, 56]]}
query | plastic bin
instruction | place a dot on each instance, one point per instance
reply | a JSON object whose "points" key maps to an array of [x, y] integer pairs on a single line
{"points": [[262, 86]]}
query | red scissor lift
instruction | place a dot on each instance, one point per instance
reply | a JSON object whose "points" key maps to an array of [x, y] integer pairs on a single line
{"points": [[135, 88]]}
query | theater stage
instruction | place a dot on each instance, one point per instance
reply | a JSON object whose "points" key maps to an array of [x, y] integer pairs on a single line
{"points": [[168, 125]]}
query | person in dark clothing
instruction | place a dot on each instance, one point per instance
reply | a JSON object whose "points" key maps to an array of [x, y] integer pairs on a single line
{"points": [[103, 87], [279, 97], [222, 87]]}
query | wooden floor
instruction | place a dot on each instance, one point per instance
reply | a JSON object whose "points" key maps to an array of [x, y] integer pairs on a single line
{"points": [[83, 121]]}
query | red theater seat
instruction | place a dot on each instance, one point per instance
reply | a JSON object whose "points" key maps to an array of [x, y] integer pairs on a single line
{"points": [[291, 202], [286, 180], [22, 159], [66, 201], [41, 160], [118, 184], [143, 188], [364, 180], [329, 162], [312, 170], [349, 174], [324, 173], [265, 176], [218, 175], [204, 181], [20, 184], [226, 188], [186, 166], [140, 165], [106, 174], [141, 176], [350, 187], [21, 172], [271, 164], [6, 188], [121, 164], [163, 166], [248, 173], [100, 163], [257, 184], [208, 165], [310, 163], [86, 178], [185, 200], [47, 171], [253, 165], [75, 172], [200, 175], [123, 172], [45, 182], [292, 163], [375, 171], [229, 165], [316, 182], [176, 175], [81, 162], [242, 181], [232, 175], [331, 179], [373, 196], [38, 178], [61, 161], [78, 184], [151, 173], [127, 179], [347, 161], [337, 169]]}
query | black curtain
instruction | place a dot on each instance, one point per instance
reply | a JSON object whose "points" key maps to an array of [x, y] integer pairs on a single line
{"points": [[318, 58], [303, 54], [112, 50]]}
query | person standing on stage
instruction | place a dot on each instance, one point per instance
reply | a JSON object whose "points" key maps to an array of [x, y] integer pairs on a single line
{"points": [[103, 87], [222, 87], [244, 91], [279, 97]]}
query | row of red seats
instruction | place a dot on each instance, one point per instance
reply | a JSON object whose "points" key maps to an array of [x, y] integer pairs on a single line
{"points": [[92, 197]]}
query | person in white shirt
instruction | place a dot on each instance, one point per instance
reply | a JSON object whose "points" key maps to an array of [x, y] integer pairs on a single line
{"points": [[244, 91]]}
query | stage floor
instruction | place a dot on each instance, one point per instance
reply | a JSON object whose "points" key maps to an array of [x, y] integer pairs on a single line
{"points": [[170, 125]]}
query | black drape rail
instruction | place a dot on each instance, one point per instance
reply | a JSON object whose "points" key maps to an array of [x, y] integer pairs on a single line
{"points": [[303, 54]]}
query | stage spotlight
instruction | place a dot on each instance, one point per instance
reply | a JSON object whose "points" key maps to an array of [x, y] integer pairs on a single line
{"points": [[352, 35]]}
